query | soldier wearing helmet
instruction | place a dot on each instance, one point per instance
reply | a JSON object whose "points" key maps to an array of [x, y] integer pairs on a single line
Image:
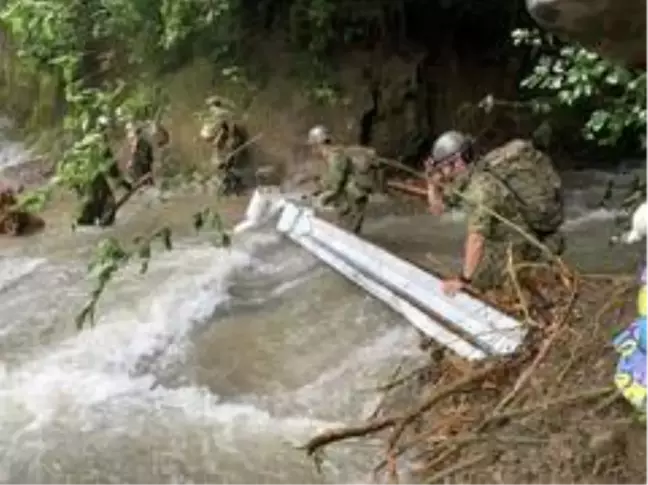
{"points": [[515, 182], [140, 153], [98, 204], [226, 138], [348, 182]]}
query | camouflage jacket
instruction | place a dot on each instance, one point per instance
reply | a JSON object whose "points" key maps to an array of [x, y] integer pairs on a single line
{"points": [[516, 182], [481, 197], [349, 172]]}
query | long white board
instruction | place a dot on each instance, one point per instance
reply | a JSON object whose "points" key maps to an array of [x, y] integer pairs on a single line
{"points": [[408, 290]]}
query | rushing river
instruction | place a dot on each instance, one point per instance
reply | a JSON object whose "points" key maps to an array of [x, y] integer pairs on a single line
{"points": [[216, 364]]}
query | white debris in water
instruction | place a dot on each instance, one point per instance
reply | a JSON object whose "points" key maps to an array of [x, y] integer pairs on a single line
{"points": [[13, 154]]}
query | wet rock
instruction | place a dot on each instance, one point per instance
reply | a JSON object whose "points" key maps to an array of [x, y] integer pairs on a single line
{"points": [[614, 29]]}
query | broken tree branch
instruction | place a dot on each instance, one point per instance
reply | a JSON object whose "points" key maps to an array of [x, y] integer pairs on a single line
{"points": [[376, 425]]}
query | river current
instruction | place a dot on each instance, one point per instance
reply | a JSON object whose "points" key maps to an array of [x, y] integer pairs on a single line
{"points": [[216, 364]]}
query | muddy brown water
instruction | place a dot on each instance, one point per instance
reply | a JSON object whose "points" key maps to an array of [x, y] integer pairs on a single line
{"points": [[217, 363]]}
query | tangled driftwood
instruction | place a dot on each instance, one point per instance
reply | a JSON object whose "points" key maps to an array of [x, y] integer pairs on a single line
{"points": [[521, 418]]}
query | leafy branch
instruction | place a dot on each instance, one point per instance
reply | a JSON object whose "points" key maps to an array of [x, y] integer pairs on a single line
{"points": [[111, 256], [612, 98]]}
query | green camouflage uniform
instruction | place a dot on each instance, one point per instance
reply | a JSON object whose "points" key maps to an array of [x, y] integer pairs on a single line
{"points": [[347, 184], [142, 159], [518, 201], [227, 137], [98, 203]]}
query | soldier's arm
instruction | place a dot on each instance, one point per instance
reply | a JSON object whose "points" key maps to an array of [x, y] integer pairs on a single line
{"points": [[435, 201], [337, 177], [480, 200]]}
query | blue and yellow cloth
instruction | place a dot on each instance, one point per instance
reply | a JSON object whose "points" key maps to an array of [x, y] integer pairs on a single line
{"points": [[630, 377]]}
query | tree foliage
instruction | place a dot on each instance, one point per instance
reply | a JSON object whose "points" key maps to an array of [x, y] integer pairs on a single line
{"points": [[611, 98], [75, 42]]}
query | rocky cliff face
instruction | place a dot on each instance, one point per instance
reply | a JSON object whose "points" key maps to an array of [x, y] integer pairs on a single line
{"points": [[396, 103], [614, 28]]}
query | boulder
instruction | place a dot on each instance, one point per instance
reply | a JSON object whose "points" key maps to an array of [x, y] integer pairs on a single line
{"points": [[614, 29]]}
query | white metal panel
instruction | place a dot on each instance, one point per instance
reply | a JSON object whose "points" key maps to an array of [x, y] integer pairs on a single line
{"points": [[371, 266], [419, 319], [490, 327]]}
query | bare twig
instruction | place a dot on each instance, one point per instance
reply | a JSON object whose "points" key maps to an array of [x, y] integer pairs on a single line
{"points": [[518, 289], [373, 426], [544, 349], [551, 403], [457, 467], [434, 397]]}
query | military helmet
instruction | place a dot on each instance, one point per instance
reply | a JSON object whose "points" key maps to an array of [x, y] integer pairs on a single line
{"points": [[103, 122], [134, 128], [318, 134], [208, 130], [448, 144]]}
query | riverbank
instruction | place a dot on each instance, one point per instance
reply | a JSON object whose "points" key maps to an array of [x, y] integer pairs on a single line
{"points": [[549, 414]]}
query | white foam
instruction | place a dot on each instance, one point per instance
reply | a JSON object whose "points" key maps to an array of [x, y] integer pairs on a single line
{"points": [[14, 269], [92, 370], [13, 154], [597, 215]]}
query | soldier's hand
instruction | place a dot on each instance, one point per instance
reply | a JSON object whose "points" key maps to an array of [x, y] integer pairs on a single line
{"points": [[322, 202], [435, 178]]}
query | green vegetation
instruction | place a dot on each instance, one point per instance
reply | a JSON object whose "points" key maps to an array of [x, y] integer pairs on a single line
{"points": [[609, 98]]}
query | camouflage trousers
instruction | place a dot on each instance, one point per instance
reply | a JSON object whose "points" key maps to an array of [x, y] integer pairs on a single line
{"points": [[229, 176], [494, 268], [350, 211], [139, 169]]}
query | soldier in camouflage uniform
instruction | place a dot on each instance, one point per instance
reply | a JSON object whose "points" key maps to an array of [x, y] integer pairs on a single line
{"points": [[226, 138], [98, 203], [515, 182], [349, 180], [140, 161]]}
